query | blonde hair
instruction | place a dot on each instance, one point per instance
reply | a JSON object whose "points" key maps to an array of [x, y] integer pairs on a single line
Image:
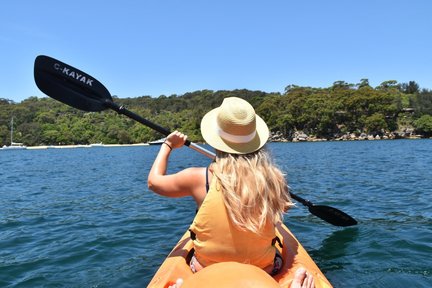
{"points": [[253, 188]]}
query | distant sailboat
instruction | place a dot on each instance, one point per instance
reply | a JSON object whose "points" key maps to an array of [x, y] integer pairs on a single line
{"points": [[14, 145]]}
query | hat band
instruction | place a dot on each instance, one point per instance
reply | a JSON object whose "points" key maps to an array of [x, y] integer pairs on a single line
{"points": [[236, 138]]}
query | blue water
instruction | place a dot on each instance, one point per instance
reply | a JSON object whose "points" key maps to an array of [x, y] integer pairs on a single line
{"points": [[85, 218]]}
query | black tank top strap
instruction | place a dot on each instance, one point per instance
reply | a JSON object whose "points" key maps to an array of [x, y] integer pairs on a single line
{"points": [[207, 182], [207, 185]]}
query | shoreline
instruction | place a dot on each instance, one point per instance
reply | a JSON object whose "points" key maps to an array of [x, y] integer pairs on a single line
{"points": [[99, 145], [342, 139]]}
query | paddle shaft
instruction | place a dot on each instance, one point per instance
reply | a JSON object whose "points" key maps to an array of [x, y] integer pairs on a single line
{"points": [[122, 110], [305, 202]]}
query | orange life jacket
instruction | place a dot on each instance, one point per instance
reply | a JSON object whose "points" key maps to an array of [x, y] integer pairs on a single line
{"points": [[217, 239]]}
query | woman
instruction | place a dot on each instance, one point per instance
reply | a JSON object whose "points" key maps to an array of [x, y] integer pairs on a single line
{"points": [[240, 196]]}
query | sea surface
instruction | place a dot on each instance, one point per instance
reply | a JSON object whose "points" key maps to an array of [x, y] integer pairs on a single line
{"points": [[85, 218]]}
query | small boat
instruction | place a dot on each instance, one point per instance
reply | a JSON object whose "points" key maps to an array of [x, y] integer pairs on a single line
{"points": [[14, 145], [176, 265], [157, 142]]}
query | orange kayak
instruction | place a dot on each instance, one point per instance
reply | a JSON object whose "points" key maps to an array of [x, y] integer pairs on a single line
{"points": [[295, 256]]}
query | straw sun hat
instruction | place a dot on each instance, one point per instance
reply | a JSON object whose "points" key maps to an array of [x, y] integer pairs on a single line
{"points": [[234, 127]]}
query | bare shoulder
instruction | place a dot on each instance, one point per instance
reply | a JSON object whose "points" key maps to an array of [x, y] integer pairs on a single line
{"points": [[195, 179], [195, 171], [194, 175]]}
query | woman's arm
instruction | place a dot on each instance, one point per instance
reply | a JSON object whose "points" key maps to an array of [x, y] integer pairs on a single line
{"points": [[188, 182]]}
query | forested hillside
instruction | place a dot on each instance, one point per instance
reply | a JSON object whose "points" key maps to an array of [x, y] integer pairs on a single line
{"points": [[326, 113]]}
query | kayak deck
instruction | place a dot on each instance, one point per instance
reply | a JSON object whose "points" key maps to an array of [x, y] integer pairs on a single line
{"points": [[295, 256]]}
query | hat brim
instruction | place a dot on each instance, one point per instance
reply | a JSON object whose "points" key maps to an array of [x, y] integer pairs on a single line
{"points": [[209, 132]]}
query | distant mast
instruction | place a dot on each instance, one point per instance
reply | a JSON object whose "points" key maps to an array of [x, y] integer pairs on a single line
{"points": [[11, 131]]}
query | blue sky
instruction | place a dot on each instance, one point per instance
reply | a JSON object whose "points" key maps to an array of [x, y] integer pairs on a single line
{"points": [[155, 48]]}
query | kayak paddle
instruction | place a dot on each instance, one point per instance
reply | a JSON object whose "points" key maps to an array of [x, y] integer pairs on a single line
{"points": [[80, 90], [329, 214]]}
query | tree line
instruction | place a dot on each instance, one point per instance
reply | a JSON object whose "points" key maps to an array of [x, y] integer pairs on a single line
{"points": [[327, 113]]}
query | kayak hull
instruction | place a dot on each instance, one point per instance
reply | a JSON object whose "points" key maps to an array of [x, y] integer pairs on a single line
{"points": [[295, 256]]}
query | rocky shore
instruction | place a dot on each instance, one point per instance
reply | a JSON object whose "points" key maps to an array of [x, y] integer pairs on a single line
{"points": [[300, 136]]}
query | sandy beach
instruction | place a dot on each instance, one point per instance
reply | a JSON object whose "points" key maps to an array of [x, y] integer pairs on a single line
{"points": [[84, 146]]}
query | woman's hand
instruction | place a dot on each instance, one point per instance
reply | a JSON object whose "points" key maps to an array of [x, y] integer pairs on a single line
{"points": [[176, 139]]}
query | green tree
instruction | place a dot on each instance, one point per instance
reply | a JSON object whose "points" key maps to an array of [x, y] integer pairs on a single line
{"points": [[375, 124], [389, 84], [410, 88], [422, 103], [363, 83], [342, 85], [424, 125]]}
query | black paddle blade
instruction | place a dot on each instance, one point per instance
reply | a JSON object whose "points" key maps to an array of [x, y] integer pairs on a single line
{"points": [[70, 85], [332, 215]]}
